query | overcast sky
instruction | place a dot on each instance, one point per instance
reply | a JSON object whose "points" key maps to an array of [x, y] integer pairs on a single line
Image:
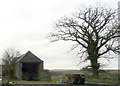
{"points": [[24, 25]]}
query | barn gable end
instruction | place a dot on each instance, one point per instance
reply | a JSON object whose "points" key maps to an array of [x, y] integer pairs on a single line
{"points": [[30, 67]]}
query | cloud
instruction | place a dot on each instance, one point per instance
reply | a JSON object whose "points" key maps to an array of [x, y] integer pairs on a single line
{"points": [[61, 64]]}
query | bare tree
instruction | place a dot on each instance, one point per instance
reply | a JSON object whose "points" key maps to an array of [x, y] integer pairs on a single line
{"points": [[8, 60], [94, 30]]}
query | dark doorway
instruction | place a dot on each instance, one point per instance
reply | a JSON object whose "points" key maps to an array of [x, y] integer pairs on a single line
{"points": [[30, 71]]}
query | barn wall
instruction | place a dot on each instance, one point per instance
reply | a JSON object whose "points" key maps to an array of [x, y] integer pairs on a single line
{"points": [[40, 69], [18, 70], [43, 75]]}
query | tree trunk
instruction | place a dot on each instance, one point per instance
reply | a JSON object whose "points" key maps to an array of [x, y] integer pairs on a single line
{"points": [[95, 67], [95, 72]]}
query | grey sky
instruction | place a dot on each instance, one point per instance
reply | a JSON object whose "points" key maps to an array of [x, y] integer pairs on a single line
{"points": [[25, 23]]}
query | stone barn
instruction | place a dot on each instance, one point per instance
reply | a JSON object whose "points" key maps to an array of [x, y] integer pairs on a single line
{"points": [[30, 67]]}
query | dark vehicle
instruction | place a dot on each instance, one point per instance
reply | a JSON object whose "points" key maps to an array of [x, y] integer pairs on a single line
{"points": [[75, 78]]}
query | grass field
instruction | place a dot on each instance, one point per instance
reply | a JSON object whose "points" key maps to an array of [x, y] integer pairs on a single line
{"points": [[105, 76]]}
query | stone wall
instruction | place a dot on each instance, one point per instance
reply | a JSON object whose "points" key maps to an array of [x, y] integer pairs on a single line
{"points": [[45, 75]]}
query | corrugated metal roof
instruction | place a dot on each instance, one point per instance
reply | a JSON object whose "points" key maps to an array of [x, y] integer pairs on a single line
{"points": [[29, 57]]}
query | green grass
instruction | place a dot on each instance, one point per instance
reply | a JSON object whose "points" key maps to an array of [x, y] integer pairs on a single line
{"points": [[23, 81], [102, 80]]}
